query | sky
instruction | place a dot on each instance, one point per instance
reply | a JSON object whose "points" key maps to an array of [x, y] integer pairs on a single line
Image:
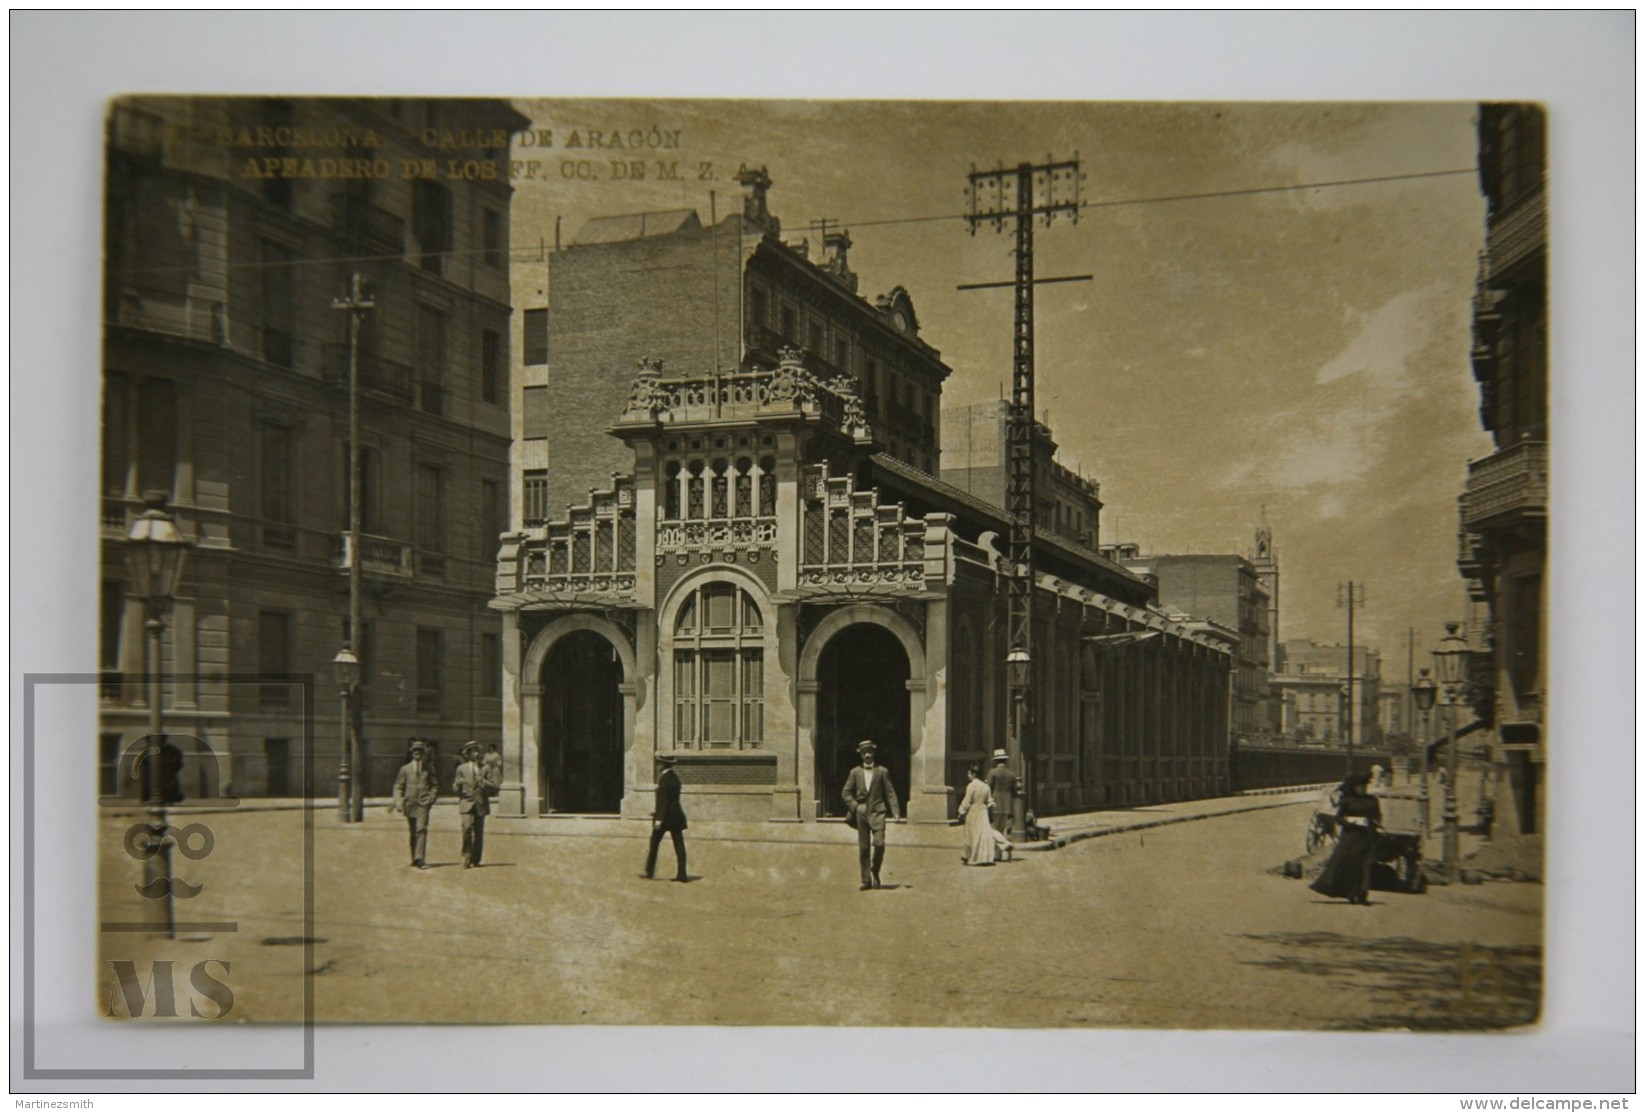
{"points": [[1297, 356]]}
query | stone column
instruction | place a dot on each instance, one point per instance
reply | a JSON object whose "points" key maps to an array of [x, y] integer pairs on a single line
{"points": [[928, 795], [805, 747], [782, 721], [511, 801], [639, 694]]}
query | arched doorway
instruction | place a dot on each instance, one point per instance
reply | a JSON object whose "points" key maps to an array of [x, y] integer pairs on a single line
{"points": [[580, 762], [862, 692]]}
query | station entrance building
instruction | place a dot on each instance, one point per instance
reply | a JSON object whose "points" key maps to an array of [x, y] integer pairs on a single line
{"points": [[768, 570]]}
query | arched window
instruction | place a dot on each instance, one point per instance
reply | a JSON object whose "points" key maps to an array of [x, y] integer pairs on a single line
{"points": [[743, 495], [717, 503], [719, 670], [768, 486], [694, 491], [671, 492]]}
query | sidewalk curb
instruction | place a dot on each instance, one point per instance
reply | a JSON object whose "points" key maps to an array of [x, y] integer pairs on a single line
{"points": [[1057, 842]]}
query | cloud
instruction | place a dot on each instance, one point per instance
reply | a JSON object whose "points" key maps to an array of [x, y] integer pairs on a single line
{"points": [[1357, 411]]}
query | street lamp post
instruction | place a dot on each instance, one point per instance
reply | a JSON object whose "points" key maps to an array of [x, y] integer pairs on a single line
{"points": [[347, 667], [154, 568], [1449, 658], [1017, 664], [1345, 721], [357, 304], [1423, 692]]}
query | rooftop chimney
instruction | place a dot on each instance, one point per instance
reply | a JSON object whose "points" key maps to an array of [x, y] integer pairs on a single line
{"points": [[835, 247], [755, 183]]}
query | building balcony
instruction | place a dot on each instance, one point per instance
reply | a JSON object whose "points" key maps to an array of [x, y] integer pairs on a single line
{"points": [[1517, 233], [379, 556], [849, 541], [369, 226], [379, 377], [1507, 488], [793, 389], [173, 314], [592, 555]]}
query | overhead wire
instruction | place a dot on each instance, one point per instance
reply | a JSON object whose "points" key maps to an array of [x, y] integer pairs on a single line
{"points": [[528, 253]]}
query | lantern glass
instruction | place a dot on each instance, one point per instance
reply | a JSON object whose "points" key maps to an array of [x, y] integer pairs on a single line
{"points": [[1449, 656], [347, 667], [1424, 691], [155, 550]]}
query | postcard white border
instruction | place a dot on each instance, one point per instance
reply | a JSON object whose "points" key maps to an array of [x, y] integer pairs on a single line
{"points": [[64, 65]]}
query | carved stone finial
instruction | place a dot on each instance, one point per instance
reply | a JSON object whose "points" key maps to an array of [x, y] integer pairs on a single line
{"points": [[792, 381], [646, 398], [756, 183]]}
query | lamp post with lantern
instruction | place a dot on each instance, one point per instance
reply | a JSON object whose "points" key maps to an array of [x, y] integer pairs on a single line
{"points": [[1017, 663], [1450, 657], [155, 552], [347, 667], [1423, 693]]}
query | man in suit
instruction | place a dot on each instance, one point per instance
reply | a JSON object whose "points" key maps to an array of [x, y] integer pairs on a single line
{"points": [[475, 787], [1002, 786], [415, 791], [669, 817], [872, 799]]}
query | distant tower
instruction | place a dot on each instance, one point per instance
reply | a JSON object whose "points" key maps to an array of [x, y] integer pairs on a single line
{"points": [[1266, 561]]}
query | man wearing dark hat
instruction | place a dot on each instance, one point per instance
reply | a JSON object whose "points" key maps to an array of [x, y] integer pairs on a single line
{"points": [[415, 791], [1002, 786], [475, 788], [669, 817], [872, 799]]}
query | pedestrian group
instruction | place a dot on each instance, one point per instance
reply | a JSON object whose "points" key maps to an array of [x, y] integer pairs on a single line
{"points": [[870, 801]]}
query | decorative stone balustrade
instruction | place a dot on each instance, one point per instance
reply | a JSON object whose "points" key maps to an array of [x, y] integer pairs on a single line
{"points": [[848, 540], [590, 553], [793, 387], [1506, 486]]}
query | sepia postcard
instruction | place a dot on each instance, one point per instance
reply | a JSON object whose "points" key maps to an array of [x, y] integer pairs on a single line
{"points": [[831, 563]]}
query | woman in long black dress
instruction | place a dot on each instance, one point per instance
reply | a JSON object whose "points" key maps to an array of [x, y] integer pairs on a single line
{"points": [[1348, 871]]}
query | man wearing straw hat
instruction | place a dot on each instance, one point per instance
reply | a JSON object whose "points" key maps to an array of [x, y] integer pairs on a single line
{"points": [[475, 788], [1002, 785], [870, 799], [415, 791]]}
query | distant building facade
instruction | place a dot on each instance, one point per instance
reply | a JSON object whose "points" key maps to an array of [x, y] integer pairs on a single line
{"points": [[975, 460], [225, 390], [1504, 507], [1314, 682], [768, 568], [1227, 590]]}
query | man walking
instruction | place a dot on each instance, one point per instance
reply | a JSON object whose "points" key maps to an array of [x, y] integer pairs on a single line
{"points": [[1002, 785], [871, 799], [669, 817], [415, 791], [475, 788]]}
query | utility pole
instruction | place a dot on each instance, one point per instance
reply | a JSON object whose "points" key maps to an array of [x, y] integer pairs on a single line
{"points": [[1350, 594], [1048, 189], [357, 304]]}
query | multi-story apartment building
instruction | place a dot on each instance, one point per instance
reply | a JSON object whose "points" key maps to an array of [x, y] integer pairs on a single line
{"points": [[1323, 698], [975, 460], [232, 225], [767, 569], [1504, 507]]}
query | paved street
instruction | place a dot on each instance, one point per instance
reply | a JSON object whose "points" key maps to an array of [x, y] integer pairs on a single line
{"points": [[1184, 925]]}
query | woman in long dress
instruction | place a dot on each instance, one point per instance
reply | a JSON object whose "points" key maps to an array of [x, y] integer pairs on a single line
{"points": [[1348, 871], [981, 840]]}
